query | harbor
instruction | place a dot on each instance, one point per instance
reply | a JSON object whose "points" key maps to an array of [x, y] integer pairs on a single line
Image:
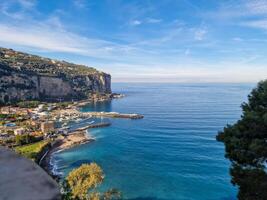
{"points": [[73, 114]]}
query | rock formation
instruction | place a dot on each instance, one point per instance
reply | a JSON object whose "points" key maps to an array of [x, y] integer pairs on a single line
{"points": [[28, 77]]}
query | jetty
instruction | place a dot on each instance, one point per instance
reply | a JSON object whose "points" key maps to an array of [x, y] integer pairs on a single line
{"points": [[115, 115], [97, 125], [74, 114]]}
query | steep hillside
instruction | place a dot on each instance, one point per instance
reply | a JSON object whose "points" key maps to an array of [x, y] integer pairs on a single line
{"points": [[25, 77]]}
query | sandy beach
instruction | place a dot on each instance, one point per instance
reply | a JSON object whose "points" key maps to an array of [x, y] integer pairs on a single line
{"points": [[75, 138], [62, 143]]}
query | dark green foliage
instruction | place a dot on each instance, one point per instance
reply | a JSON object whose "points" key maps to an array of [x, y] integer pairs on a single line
{"points": [[6, 98], [252, 182], [24, 139], [28, 104], [63, 105], [246, 146], [3, 116], [44, 66], [8, 116]]}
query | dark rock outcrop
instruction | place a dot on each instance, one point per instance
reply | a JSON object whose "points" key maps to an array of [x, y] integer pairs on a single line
{"points": [[28, 77]]}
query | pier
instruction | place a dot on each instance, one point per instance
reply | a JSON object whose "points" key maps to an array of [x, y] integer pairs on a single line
{"points": [[74, 114], [115, 115], [97, 125]]}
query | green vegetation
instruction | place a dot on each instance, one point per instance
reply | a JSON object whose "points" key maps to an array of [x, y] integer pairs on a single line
{"points": [[44, 66], [25, 139], [33, 151], [81, 184], [28, 104], [63, 105], [8, 116], [246, 147]]}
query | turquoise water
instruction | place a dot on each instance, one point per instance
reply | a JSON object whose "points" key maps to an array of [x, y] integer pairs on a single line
{"points": [[171, 153]]}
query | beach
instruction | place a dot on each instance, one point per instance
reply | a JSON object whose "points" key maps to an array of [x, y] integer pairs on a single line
{"points": [[62, 143]]}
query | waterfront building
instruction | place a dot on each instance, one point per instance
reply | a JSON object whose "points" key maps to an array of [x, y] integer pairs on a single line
{"points": [[47, 127]]}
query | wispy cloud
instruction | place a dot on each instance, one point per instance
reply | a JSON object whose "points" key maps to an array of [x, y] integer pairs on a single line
{"points": [[27, 4], [145, 21], [260, 24], [24, 5], [50, 38], [80, 4], [200, 34], [257, 7], [135, 22], [153, 20], [250, 14], [238, 39]]}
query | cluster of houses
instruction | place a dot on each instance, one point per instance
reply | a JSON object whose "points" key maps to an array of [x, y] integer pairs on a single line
{"points": [[21, 121]]}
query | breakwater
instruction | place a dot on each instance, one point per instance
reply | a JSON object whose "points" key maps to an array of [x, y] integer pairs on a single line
{"points": [[115, 115], [97, 125]]}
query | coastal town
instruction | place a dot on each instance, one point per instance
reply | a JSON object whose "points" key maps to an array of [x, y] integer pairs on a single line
{"points": [[36, 130]]}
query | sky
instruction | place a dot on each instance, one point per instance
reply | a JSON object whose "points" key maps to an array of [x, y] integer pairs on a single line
{"points": [[145, 40]]}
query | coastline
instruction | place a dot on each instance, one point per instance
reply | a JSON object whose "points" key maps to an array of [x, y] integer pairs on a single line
{"points": [[62, 143]]}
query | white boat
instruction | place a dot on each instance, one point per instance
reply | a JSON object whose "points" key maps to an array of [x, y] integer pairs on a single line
{"points": [[64, 124], [78, 120]]}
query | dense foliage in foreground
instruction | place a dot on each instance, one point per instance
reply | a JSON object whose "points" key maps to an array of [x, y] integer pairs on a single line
{"points": [[81, 184], [246, 146]]}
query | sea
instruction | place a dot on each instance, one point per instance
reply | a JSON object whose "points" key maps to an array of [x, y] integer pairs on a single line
{"points": [[170, 154]]}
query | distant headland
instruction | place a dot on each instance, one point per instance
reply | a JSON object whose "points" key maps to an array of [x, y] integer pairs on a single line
{"points": [[29, 77]]}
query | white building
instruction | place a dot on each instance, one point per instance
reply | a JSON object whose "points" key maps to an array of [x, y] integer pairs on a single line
{"points": [[19, 131]]}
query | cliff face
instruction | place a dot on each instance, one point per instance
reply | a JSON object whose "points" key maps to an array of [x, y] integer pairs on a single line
{"points": [[27, 77]]}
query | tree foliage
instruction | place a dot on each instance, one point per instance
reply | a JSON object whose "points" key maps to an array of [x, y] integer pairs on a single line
{"points": [[28, 104], [24, 139], [84, 178], [81, 184], [246, 146]]}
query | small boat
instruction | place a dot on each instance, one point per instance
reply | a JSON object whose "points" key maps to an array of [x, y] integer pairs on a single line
{"points": [[91, 122], [64, 124], [78, 120]]}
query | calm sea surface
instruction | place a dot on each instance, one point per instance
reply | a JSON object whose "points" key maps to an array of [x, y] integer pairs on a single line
{"points": [[171, 153]]}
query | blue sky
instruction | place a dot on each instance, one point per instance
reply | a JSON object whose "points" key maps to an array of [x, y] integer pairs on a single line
{"points": [[145, 40]]}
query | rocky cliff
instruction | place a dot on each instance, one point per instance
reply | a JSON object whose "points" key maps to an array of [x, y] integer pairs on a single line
{"points": [[27, 77]]}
